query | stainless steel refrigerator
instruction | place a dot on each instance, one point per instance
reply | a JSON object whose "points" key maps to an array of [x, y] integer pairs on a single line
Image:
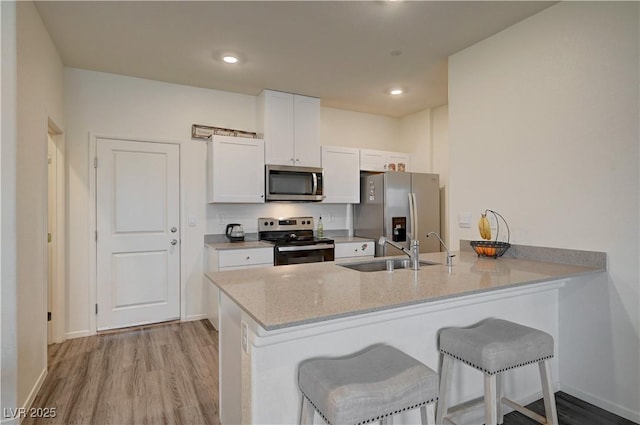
{"points": [[395, 204]]}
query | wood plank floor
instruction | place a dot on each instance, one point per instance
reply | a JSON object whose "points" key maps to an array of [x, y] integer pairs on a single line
{"points": [[157, 375], [169, 375]]}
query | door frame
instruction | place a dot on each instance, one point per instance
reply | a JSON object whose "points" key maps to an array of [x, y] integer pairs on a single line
{"points": [[58, 284], [91, 231]]}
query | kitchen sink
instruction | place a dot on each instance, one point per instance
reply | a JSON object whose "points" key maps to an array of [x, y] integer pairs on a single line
{"points": [[380, 265]]}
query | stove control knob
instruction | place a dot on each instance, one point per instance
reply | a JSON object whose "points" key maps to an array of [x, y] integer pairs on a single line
{"points": [[266, 223], [271, 223]]}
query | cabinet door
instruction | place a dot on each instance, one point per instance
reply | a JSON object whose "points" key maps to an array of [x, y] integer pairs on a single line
{"points": [[341, 175], [278, 128], [372, 160], [236, 170], [397, 161], [354, 249], [241, 258], [306, 131]]}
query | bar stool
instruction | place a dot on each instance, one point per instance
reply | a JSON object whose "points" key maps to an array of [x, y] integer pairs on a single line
{"points": [[494, 347], [372, 385]]}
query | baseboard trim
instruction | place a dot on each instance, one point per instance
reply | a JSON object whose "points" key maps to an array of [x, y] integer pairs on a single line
{"points": [[196, 317], [30, 398], [78, 334], [602, 403]]}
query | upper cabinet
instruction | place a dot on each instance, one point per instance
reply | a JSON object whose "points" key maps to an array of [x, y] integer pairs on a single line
{"points": [[290, 126], [375, 160], [341, 167], [235, 170]]}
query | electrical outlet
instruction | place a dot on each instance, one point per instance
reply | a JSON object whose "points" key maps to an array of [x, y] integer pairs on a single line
{"points": [[245, 337]]}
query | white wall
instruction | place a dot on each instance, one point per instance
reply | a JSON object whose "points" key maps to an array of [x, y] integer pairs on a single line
{"points": [[440, 162], [8, 135], [39, 99], [359, 130], [544, 129], [415, 131]]}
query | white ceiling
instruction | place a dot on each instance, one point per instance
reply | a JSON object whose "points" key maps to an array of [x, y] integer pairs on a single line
{"points": [[348, 53]]}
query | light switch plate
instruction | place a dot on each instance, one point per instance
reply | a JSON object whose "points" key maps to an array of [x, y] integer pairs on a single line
{"points": [[193, 220], [464, 220]]}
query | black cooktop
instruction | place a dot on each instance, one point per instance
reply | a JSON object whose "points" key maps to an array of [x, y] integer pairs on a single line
{"points": [[291, 231]]}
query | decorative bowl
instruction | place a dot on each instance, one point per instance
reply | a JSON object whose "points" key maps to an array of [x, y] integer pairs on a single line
{"points": [[490, 248]]}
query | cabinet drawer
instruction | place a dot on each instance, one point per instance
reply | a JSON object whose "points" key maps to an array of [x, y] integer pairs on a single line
{"points": [[354, 249], [245, 257]]}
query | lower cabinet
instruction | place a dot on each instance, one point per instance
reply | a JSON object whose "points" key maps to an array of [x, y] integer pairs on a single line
{"points": [[355, 249], [219, 260]]}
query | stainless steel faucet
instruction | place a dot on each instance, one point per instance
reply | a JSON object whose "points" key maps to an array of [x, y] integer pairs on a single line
{"points": [[449, 256], [413, 253]]}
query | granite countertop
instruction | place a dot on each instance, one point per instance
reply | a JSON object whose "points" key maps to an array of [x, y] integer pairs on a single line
{"points": [[247, 244], [346, 239], [284, 296]]}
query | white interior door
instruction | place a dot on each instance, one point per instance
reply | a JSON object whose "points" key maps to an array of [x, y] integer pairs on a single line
{"points": [[138, 233]]}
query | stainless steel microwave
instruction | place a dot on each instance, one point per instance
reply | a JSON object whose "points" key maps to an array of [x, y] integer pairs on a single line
{"points": [[293, 184]]}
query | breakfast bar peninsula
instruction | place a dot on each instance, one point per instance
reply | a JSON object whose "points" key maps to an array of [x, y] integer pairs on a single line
{"points": [[273, 318]]}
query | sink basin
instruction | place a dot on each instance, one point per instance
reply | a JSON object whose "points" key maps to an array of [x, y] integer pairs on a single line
{"points": [[380, 265]]}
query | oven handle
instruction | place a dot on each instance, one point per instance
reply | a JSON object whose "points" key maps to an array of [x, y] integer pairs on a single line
{"points": [[305, 247]]}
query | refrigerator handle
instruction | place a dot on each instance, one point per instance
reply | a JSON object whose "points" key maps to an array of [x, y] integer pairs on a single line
{"points": [[412, 215], [414, 230]]}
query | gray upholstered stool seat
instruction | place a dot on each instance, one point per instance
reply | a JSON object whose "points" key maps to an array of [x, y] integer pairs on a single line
{"points": [[367, 386], [493, 347], [497, 345]]}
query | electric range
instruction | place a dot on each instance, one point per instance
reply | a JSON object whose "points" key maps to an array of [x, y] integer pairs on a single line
{"points": [[294, 242]]}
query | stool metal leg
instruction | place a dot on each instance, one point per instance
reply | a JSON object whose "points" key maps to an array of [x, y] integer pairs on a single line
{"points": [[306, 412], [387, 421], [500, 392], [547, 392], [445, 383], [490, 411]]}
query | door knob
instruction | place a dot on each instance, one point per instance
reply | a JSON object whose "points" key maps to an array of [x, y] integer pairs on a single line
{"points": [[174, 241], [173, 230]]}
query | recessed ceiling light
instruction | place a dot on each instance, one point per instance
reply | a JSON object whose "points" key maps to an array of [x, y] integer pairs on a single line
{"points": [[230, 59], [395, 92]]}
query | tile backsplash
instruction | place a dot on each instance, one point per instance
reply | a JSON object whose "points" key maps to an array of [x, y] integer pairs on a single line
{"points": [[334, 216]]}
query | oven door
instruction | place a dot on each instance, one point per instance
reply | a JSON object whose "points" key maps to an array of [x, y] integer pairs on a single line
{"points": [[300, 254]]}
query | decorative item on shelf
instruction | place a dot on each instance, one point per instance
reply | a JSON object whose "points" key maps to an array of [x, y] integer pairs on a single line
{"points": [[401, 166], [204, 132], [487, 247], [391, 166]]}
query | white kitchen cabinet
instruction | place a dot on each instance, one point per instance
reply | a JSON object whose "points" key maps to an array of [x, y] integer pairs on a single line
{"points": [[290, 126], [219, 260], [235, 170], [341, 178], [354, 249], [377, 160]]}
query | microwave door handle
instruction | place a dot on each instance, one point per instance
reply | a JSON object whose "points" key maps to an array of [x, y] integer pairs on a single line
{"points": [[314, 190]]}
